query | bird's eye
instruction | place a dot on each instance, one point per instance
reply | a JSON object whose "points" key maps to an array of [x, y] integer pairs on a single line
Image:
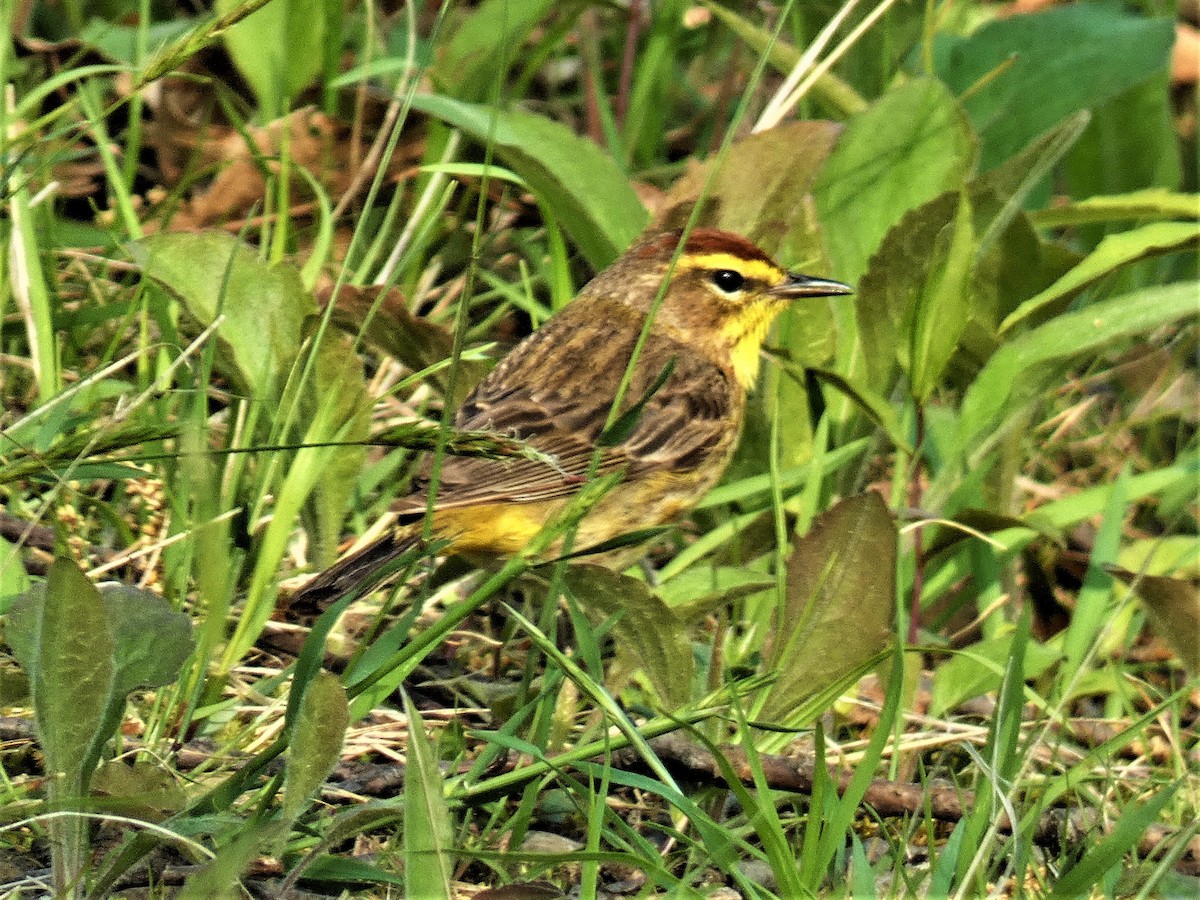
{"points": [[728, 280]]}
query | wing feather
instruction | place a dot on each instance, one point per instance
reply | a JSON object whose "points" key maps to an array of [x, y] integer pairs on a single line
{"points": [[555, 391]]}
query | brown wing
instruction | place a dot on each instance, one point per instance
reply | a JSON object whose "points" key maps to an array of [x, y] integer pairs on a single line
{"points": [[555, 390]]}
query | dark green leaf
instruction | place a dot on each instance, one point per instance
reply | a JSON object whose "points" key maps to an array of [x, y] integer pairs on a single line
{"points": [[841, 601], [1131, 143], [1055, 63], [906, 275], [942, 303], [151, 640], [649, 636], [910, 146], [1174, 608], [1013, 181]]}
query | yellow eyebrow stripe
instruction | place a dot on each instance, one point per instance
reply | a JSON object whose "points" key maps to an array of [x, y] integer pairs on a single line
{"points": [[756, 269]]}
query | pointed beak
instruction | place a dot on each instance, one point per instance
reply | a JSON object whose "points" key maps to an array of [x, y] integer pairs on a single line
{"points": [[798, 285]]}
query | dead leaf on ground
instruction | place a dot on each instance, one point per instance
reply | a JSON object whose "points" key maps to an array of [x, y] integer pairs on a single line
{"points": [[191, 136]]}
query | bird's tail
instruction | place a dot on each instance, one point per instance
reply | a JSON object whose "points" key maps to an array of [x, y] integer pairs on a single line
{"points": [[359, 572]]}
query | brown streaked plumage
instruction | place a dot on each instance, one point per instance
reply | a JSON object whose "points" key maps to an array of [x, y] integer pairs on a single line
{"points": [[555, 390]]}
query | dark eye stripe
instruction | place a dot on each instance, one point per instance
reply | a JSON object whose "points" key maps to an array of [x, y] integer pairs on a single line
{"points": [[728, 280]]}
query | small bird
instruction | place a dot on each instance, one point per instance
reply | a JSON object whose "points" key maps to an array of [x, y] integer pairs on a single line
{"points": [[556, 388]]}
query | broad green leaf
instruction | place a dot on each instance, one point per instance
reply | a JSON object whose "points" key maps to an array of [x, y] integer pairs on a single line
{"points": [[264, 306], [1152, 203], [1174, 608], [1010, 264], [1020, 371], [1131, 143], [979, 668], [841, 601], [909, 265], [152, 640], [466, 63], [1017, 264], [910, 146], [649, 635], [582, 186], [941, 306], [428, 835], [1047, 66], [279, 49], [1114, 252], [146, 641], [60, 634], [316, 743]]}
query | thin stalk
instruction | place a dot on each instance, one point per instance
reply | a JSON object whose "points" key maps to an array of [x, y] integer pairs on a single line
{"points": [[914, 500]]}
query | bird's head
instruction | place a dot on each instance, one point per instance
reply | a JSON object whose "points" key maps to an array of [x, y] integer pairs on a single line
{"points": [[722, 296]]}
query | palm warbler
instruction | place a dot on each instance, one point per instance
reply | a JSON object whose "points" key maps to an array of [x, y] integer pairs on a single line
{"points": [[555, 390]]}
